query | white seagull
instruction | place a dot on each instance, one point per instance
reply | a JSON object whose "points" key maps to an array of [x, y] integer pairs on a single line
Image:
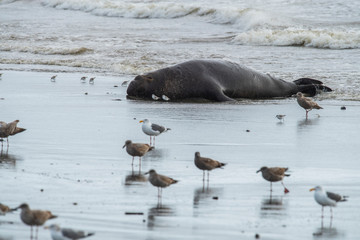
{"points": [[152, 129], [58, 233], [325, 198]]}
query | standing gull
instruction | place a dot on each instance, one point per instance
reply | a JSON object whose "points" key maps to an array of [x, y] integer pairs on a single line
{"points": [[137, 150], [34, 217], [152, 129], [326, 199], [206, 164], [58, 233], [160, 181], [274, 174], [9, 129], [306, 103]]}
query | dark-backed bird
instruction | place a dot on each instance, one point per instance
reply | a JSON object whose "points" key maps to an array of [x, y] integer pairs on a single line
{"points": [[274, 174], [83, 79], [9, 129], [53, 78], [160, 181], [325, 198], [137, 150], [34, 217], [152, 129], [58, 233], [306, 103], [206, 164]]}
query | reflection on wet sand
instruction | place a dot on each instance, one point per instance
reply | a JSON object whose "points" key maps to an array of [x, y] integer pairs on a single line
{"points": [[157, 154], [135, 178], [155, 214], [6, 238], [308, 122], [8, 160], [203, 193], [327, 233], [273, 206]]}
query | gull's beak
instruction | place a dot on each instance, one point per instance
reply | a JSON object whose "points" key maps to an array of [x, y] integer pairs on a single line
{"points": [[123, 146], [141, 121], [258, 171], [312, 189], [146, 173]]}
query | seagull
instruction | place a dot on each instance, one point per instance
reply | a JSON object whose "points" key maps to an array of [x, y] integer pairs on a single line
{"points": [[34, 217], [53, 78], [83, 79], [160, 181], [152, 129], [137, 150], [206, 164], [280, 117], [58, 233], [327, 199], [91, 80], [274, 174], [9, 129], [165, 98], [155, 97], [306, 103]]}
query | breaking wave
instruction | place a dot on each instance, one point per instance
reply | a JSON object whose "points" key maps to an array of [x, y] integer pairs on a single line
{"points": [[253, 26]]}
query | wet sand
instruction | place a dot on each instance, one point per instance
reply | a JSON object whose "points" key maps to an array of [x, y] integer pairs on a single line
{"points": [[70, 161]]}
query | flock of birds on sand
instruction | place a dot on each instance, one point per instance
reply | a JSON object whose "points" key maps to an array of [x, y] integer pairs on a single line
{"points": [[272, 174], [82, 79]]}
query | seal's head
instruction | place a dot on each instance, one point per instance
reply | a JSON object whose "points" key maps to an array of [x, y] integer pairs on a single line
{"points": [[143, 86]]}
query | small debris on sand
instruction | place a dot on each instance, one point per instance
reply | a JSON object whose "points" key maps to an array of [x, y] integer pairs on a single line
{"points": [[134, 213]]}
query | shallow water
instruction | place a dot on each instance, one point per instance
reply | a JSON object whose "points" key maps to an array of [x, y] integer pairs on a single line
{"points": [[72, 150]]}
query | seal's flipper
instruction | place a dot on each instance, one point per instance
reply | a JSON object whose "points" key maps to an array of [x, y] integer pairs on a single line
{"points": [[311, 86]]}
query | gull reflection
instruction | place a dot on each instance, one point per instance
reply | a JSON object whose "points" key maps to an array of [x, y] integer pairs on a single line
{"points": [[326, 233], [273, 206], [202, 193], [156, 214], [8, 160], [135, 178]]}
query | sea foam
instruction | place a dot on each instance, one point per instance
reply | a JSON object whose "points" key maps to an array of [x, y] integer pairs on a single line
{"points": [[254, 26]]}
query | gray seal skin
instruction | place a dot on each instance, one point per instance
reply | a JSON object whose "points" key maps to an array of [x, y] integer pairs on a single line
{"points": [[216, 80]]}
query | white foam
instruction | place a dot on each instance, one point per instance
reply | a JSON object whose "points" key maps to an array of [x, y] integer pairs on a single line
{"points": [[322, 38]]}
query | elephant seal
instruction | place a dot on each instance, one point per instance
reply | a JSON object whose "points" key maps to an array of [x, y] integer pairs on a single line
{"points": [[216, 80]]}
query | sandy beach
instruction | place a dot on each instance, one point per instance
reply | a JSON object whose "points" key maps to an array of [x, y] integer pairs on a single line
{"points": [[70, 160]]}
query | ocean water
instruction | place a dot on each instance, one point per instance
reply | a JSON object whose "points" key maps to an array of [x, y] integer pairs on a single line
{"points": [[287, 38]]}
